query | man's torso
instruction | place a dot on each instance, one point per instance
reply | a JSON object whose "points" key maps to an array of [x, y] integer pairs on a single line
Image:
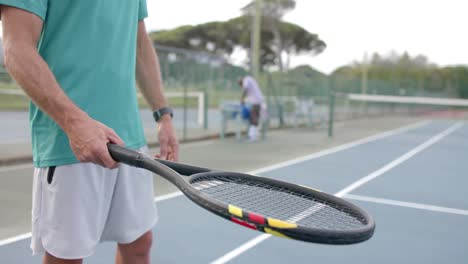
{"points": [[90, 46], [254, 95]]}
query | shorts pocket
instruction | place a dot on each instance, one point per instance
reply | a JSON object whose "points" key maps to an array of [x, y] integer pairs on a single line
{"points": [[52, 196], [50, 174]]}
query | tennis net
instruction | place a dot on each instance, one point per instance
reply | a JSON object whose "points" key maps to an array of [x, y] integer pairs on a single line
{"points": [[345, 107]]}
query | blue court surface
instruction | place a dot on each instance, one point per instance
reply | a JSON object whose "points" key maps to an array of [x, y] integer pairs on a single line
{"points": [[413, 181]]}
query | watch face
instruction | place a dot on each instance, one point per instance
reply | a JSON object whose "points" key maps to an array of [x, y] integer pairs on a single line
{"points": [[156, 116]]}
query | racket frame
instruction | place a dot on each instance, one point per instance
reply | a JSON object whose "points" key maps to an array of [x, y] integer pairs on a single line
{"points": [[182, 175]]}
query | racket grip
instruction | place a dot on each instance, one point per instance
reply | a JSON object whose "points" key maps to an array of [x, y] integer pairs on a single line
{"points": [[124, 155], [137, 159]]}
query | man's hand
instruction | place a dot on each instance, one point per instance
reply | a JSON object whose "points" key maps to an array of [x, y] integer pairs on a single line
{"points": [[169, 145], [88, 140]]}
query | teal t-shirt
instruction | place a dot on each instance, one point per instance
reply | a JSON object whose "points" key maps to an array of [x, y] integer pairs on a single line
{"points": [[90, 46]]}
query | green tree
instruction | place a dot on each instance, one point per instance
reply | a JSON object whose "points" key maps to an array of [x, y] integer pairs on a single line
{"points": [[272, 12], [223, 38], [404, 74]]}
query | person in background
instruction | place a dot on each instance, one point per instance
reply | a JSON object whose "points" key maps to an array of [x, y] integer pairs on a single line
{"points": [[252, 94]]}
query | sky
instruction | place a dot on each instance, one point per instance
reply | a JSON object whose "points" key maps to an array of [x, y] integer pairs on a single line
{"points": [[435, 28]]}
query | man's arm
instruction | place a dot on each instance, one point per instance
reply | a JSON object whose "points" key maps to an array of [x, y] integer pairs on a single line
{"points": [[149, 80], [88, 138], [244, 95]]}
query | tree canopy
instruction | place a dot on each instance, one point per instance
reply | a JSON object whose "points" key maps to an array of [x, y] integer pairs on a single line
{"points": [[272, 11], [275, 9], [223, 38]]}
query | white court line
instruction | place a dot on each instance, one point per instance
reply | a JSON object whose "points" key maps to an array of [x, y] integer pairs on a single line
{"points": [[341, 147], [398, 161], [427, 207], [161, 198], [14, 239], [270, 168], [16, 167], [252, 243]]}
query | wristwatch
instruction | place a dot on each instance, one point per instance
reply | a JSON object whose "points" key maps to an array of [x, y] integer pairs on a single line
{"points": [[162, 111]]}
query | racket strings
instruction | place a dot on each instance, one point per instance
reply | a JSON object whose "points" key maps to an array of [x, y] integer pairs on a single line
{"points": [[279, 202]]}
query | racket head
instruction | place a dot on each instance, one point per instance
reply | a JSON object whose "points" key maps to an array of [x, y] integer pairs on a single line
{"points": [[280, 208], [300, 213]]}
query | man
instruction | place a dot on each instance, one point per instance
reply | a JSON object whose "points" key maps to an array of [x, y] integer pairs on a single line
{"points": [[253, 95], [78, 61]]}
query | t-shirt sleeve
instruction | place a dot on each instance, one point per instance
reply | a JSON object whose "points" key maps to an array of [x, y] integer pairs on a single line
{"points": [[244, 83], [37, 7], [142, 10], [247, 83]]}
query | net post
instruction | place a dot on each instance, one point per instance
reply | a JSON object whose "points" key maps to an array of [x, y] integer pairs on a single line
{"points": [[331, 112], [205, 110], [185, 102]]}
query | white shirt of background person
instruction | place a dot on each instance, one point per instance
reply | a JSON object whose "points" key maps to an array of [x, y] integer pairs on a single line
{"points": [[254, 94]]}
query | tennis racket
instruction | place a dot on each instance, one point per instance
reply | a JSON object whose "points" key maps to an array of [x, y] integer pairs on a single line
{"points": [[267, 205]]}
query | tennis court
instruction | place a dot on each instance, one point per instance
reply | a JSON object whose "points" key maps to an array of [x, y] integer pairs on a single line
{"points": [[411, 179]]}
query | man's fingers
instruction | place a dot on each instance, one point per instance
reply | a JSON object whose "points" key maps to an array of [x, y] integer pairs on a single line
{"points": [[164, 148], [104, 155], [114, 138], [100, 157], [175, 150], [105, 159]]}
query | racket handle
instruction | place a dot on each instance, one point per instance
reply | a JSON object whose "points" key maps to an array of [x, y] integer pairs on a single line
{"points": [[124, 155], [136, 159]]}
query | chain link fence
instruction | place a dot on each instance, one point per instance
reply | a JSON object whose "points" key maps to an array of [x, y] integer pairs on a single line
{"points": [[197, 84]]}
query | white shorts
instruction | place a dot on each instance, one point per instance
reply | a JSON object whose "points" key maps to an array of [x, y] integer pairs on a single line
{"points": [[75, 207]]}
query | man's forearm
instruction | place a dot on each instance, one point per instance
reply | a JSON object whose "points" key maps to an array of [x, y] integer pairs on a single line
{"points": [[148, 72], [32, 73], [243, 96]]}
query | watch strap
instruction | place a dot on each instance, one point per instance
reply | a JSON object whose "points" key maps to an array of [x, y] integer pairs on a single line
{"points": [[162, 111]]}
